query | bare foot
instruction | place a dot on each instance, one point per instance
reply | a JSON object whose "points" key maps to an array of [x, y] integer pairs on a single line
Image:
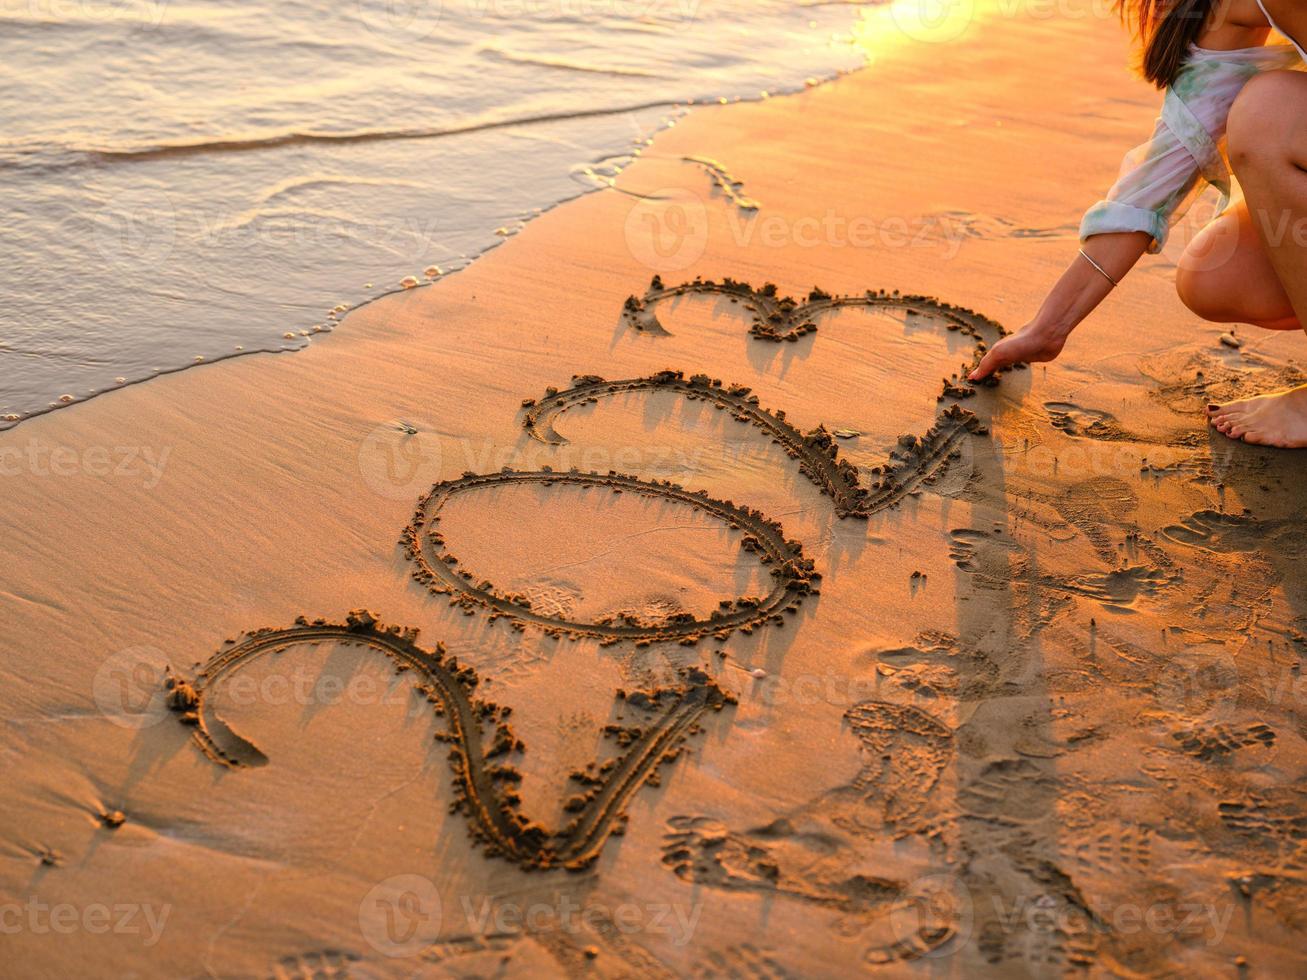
{"points": [[1267, 420]]}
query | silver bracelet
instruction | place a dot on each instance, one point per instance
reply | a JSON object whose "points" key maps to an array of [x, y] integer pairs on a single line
{"points": [[1099, 268]]}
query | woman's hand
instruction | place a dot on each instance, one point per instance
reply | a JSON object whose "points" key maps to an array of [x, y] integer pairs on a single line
{"points": [[1082, 287], [1033, 342]]}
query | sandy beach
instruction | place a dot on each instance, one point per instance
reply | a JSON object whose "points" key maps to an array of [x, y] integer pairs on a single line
{"points": [[533, 623]]}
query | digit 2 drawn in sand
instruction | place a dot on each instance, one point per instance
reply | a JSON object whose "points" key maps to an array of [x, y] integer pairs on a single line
{"points": [[914, 462], [479, 737]]}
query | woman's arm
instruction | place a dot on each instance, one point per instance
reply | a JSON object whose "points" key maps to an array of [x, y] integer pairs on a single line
{"points": [[1074, 297], [1157, 183]]}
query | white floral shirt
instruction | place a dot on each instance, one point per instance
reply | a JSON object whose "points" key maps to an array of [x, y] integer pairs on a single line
{"points": [[1161, 178]]}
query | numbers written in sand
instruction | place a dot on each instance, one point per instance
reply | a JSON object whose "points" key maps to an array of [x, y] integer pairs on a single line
{"points": [[778, 318], [915, 462], [792, 574], [480, 737], [481, 740]]}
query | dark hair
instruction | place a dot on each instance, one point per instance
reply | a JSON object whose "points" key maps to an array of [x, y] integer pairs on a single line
{"points": [[1166, 28]]}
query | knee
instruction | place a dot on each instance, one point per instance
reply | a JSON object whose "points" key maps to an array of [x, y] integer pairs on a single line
{"points": [[1196, 292], [1204, 295], [1256, 126]]}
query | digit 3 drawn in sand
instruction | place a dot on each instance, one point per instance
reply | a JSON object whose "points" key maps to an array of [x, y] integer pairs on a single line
{"points": [[779, 318], [914, 462], [479, 736], [792, 573]]}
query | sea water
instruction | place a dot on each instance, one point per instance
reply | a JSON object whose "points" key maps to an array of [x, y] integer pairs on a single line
{"points": [[190, 180]]}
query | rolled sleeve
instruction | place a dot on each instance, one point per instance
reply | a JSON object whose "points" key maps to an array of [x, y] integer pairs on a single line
{"points": [[1106, 217]]}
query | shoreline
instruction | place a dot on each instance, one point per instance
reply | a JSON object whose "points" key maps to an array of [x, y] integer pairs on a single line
{"points": [[676, 109]]}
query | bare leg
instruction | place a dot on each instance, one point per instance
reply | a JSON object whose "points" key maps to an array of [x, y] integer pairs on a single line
{"points": [[1226, 276], [1268, 147]]}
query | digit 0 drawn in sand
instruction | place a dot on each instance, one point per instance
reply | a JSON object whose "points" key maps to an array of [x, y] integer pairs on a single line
{"points": [[792, 573], [479, 737], [779, 318], [914, 462]]}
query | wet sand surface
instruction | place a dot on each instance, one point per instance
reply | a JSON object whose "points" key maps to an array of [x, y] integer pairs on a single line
{"points": [[742, 648]]}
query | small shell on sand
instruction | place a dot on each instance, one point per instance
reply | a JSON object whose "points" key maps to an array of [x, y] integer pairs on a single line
{"points": [[433, 271], [113, 819], [408, 282], [1230, 340], [757, 673], [289, 335], [67, 398]]}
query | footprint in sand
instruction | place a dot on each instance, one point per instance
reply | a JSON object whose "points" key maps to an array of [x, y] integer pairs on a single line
{"points": [[742, 962], [1084, 423], [322, 965], [1273, 820], [777, 860], [904, 752], [998, 561], [1219, 533], [1010, 790]]}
